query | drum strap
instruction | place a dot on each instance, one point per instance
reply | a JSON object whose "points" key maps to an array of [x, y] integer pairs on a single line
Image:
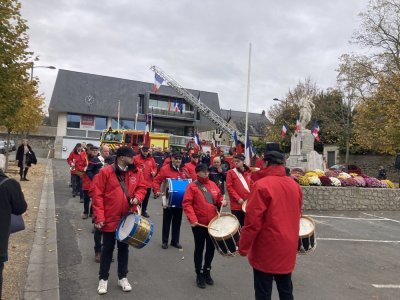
{"points": [[123, 185], [206, 193]]}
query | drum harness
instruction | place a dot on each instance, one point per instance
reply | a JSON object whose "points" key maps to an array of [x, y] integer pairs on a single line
{"points": [[206, 193], [123, 186]]}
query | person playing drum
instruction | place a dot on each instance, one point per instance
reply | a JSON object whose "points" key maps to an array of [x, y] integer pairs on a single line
{"points": [[200, 203], [110, 203], [270, 234], [238, 184], [170, 214]]}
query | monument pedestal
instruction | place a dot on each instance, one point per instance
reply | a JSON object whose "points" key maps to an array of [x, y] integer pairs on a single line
{"points": [[302, 154]]}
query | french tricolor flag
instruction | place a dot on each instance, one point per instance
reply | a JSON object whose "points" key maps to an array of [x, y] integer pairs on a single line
{"points": [[298, 126], [284, 130], [158, 80]]}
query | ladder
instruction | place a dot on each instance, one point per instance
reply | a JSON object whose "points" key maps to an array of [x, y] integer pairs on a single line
{"points": [[192, 100]]}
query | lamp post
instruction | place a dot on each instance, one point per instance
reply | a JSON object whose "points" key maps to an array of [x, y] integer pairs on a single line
{"points": [[46, 67], [279, 100]]}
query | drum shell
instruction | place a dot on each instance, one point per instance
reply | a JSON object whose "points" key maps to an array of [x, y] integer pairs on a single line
{"points": [[307, 242], [140, 234], [173, 192], [226, 245]]}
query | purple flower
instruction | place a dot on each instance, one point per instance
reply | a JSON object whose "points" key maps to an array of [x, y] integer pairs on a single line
{"points": [[372, 182]]}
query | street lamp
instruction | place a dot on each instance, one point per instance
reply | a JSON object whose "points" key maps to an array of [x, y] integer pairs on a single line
{"points": [[283, 101], [47, 67]]}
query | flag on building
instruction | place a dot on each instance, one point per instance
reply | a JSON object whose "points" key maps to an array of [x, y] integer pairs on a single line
{"points": [[196, 138], [315, 131], [284, 130], [169, 105], [298, 126], [235, 138], [248, 152], [158, 80], [213, 140], [146, 141], [178, 106]]}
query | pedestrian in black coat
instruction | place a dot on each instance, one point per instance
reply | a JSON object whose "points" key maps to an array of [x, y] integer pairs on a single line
{"points": [[12, 201], [25, 157]]}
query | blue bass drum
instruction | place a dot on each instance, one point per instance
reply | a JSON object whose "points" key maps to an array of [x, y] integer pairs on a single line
{"points": [[135, 230], [173, 192]]}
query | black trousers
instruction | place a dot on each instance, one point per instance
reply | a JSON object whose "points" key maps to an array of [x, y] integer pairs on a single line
{"points": [[97, 240], [239, 214], [86, 201], [1, 278], [263, 285], [201, 239], [146, 200], [107, 253], [171, 215], [22, 171], [77, 186]]}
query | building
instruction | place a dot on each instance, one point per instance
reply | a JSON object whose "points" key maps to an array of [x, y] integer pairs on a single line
{"points": [[82, 105]]}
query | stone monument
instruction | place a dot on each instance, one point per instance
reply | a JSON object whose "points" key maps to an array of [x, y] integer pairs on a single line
{"points": [[302, 154]]}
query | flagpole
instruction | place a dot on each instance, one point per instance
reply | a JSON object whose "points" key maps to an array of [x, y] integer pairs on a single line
{"points": [[137, 112], [119, 108], [247, 102], [151, 120]]}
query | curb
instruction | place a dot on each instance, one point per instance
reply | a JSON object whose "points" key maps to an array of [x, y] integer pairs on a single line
{"points": [[42, 275]]}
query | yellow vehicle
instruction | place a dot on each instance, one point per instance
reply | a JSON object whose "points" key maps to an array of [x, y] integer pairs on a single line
{"points": [[114, 138]]}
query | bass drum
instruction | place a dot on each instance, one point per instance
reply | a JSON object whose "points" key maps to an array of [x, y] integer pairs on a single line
{"points": [[224, 231], [307, 238], [172, 191], [135, 230]]}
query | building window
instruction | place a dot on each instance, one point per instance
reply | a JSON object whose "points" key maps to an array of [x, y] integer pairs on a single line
{"points": [[197, 115], [141, 125], [123, 124], [141, 104], [73, 121], [100, 123]]}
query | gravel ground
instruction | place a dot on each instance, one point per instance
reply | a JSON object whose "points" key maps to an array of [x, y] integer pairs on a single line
{"points": [[20, 244]]}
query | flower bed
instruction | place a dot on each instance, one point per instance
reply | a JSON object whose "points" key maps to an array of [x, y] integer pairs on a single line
{"points": [[338, 179]]}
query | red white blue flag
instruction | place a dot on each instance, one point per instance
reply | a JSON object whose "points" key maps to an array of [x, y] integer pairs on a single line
{"points": [[284, 130], [315, 131], [158, 80]]}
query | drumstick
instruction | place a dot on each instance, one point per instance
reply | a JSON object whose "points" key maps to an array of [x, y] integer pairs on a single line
{"points": [[220, 209], [207, 227]]}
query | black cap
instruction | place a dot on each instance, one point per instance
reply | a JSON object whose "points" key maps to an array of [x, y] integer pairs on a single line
{"points": [[94, 148], [201, 168], [145, 148], [125, 151], [274, 157], [176, 155], [240, 156], [195, 155]]}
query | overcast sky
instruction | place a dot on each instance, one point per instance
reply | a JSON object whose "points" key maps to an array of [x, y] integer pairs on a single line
{"points": [[202, 44]]}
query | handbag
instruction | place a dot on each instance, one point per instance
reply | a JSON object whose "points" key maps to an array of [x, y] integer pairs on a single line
{"points": [[17, 222]]}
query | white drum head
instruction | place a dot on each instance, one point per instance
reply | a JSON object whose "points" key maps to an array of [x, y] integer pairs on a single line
{"points": [[126, 228], [223, 226], [306, 227]]}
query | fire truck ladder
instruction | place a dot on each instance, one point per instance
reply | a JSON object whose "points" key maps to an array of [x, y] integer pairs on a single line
{"points": [[192, 100]]}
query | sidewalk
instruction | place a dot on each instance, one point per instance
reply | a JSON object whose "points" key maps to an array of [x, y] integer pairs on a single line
{"points": [[42, 275]]}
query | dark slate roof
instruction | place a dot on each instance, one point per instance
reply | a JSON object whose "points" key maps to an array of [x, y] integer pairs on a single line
{"points": [[71, 89], [257, 122]]}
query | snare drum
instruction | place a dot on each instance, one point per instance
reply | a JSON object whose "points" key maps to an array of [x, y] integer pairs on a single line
{"points": [[307, 240], [224, 231], [135, 230], [173, 190]]}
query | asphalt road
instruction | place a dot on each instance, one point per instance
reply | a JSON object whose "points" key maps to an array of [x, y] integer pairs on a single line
{"points": [[355, 251]]}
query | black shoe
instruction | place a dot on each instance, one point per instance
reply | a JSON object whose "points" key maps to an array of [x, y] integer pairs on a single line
{"points": [[145, 214], [164, 245], [176, 245], [201, 283], [25, 179], [73, 195], [208, 278]]}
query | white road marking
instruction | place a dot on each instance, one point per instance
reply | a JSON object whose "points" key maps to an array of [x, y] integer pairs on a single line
{"points": [[356, 240], [346, 218], [386, 286], [383, 218]]}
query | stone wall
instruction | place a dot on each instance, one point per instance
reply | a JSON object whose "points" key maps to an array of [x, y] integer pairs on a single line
{"points": [[369, 164], [350, 198]]}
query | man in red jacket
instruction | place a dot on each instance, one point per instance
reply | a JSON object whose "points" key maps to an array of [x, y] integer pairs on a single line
{"points": [[145, 162], [171, 215], [270, 235], [191, 166], [110, 204], [200, 208], [238, 184]]}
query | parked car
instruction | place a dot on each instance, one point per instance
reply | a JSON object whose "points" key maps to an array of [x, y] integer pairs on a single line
{"points": [[2, 147], [13, 147]]}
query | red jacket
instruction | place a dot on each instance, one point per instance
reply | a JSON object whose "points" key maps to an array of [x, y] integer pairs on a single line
{"points": [[190, 167], [270, 234], [168, 171], [259, 163], [195, 205], [147, 165], [109, 200], [166, 161], [80, 161], [236, 189]]}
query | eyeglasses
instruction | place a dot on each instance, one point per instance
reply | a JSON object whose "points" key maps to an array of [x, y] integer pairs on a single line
{"points": [[178, 158]]}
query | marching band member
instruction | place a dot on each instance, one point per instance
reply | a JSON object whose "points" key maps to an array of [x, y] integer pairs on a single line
{"points": [[112, 187], [145, 162], [270, 235], [238, 185], [77, 161], [191, 166], [170, 214], [200, 203]]}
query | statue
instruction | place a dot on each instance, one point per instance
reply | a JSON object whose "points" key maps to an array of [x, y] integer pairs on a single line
{"points": [[306, 108]]}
